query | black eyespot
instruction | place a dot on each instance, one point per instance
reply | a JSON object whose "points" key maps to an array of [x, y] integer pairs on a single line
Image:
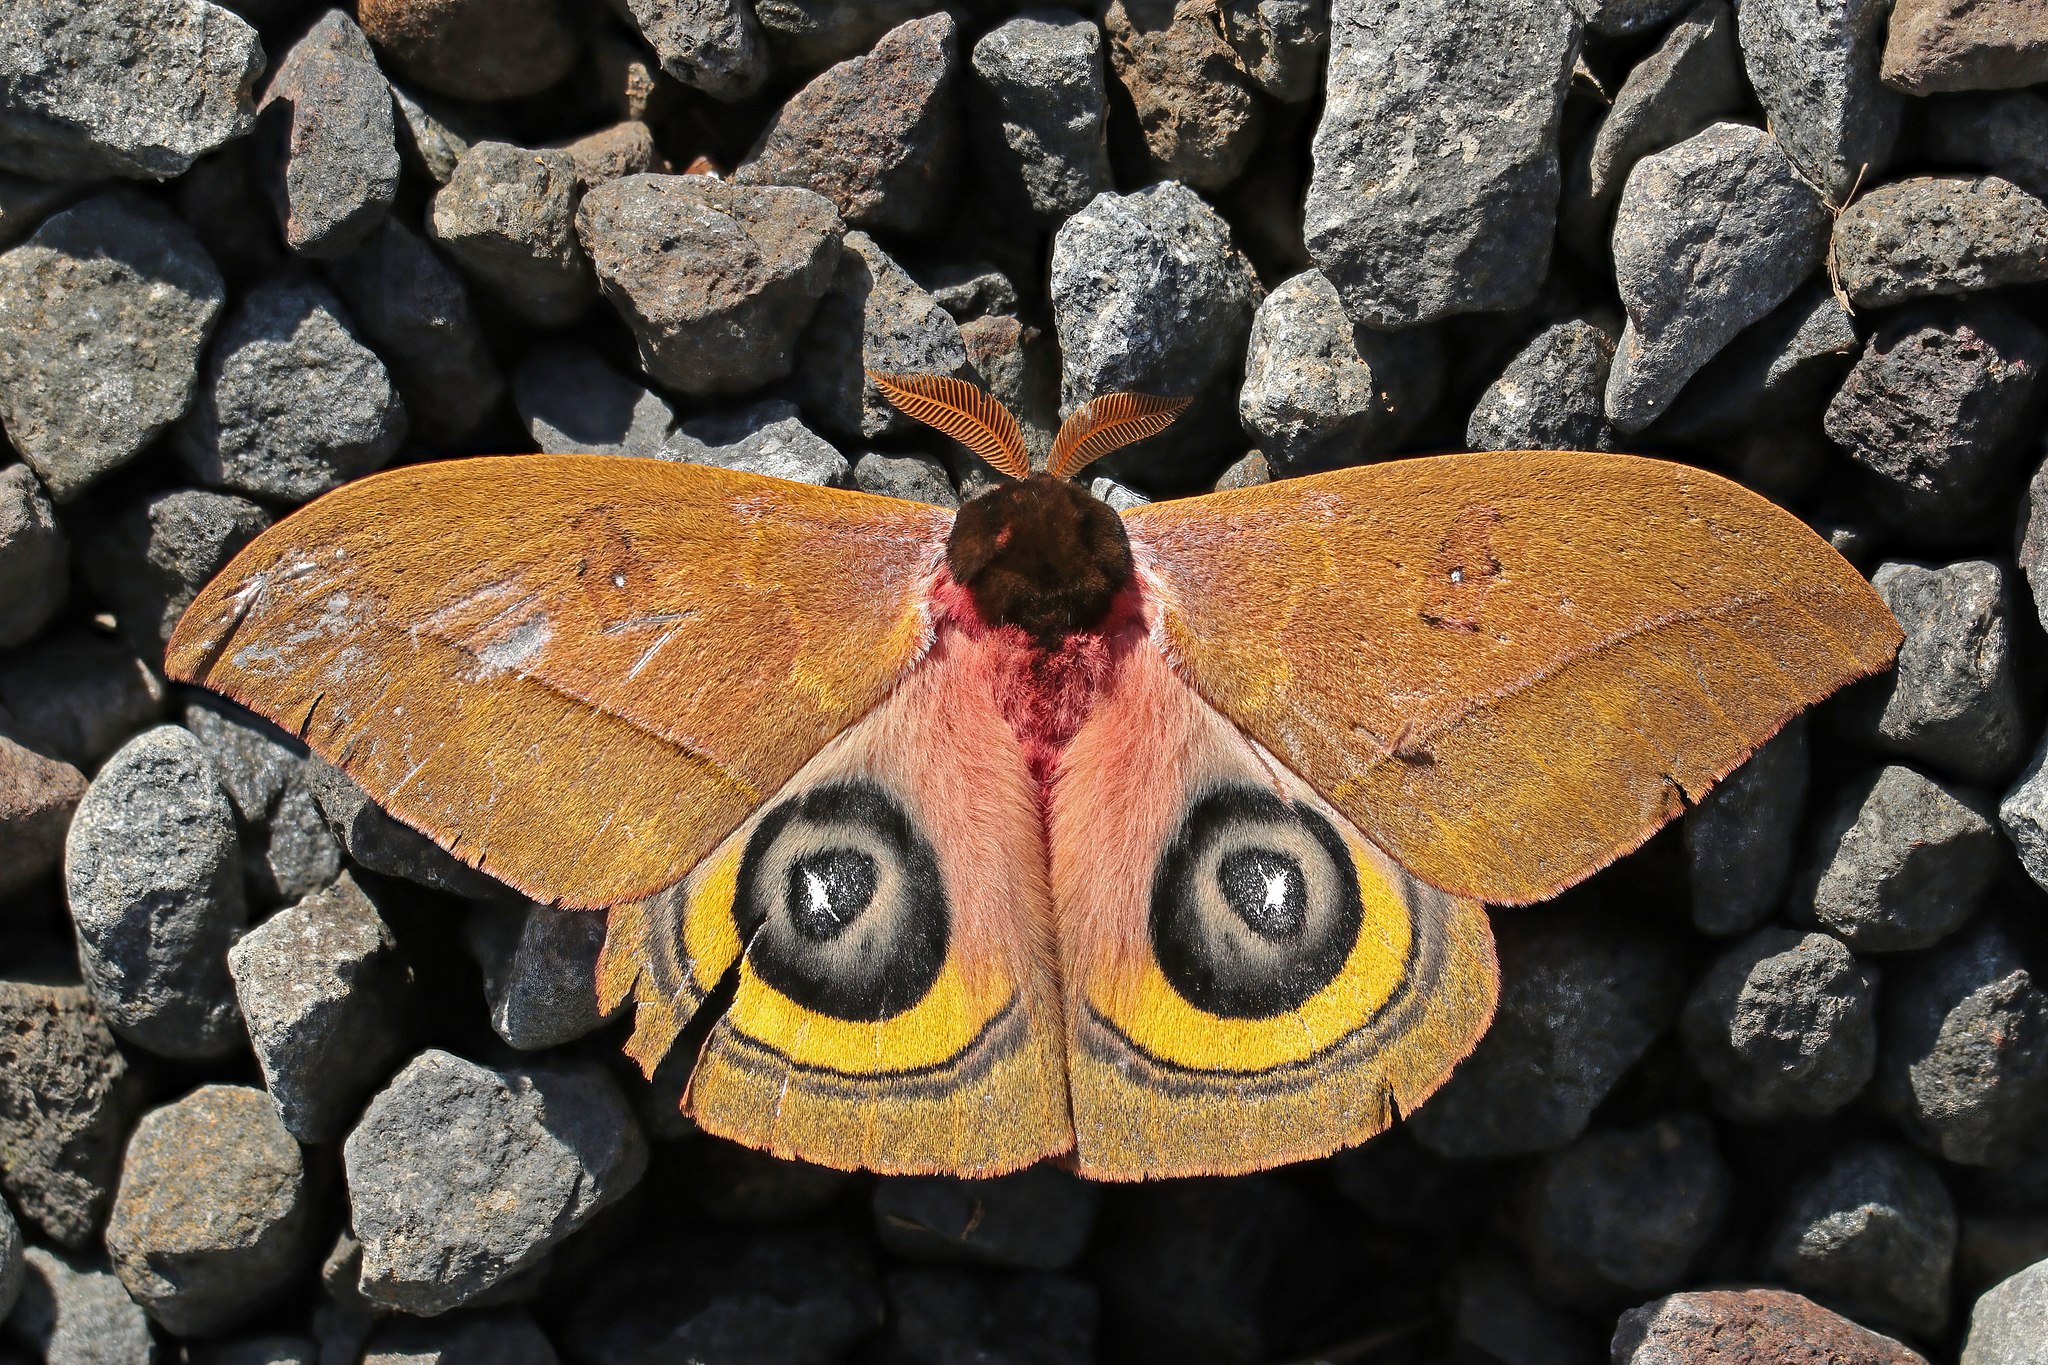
{"points": [[840, 905], [1255, 904]]}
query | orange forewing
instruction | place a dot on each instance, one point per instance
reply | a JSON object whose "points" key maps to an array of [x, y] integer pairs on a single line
{"points": [[1507, 669], [576, 672]]}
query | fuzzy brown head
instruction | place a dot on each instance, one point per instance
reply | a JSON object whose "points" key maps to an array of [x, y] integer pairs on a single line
{"points": [[1043, 553]]}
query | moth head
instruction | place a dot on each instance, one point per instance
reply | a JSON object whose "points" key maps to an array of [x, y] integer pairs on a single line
{"points": [[1037, 550]]}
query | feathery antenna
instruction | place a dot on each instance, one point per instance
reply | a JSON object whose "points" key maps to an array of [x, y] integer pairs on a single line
{"points": [[1109, 423], [975, 419]]}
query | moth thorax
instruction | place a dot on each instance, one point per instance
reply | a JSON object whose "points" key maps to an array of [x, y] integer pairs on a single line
{"points": [[1043, 554]]}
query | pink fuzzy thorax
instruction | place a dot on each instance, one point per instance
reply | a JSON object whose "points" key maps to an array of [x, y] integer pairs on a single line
{"points": [[1045, 694]]}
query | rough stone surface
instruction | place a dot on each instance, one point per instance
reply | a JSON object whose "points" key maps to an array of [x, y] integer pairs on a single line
{"points": [[878, 135], [1436, 174], [2005, 134], [1741, 841], [104, 311], [76, 697], [623, 149], [1953, 699], [1940, 235], [764, 438], [1281, 44], [874, 317], [414, 309], [1198, 108], [1900, 861], [460, 1177], [66, 1096], [1320, 392], [1150, 295], [379, 843], [915, 478], [35, 558], [38, 793], [139, 88], [1748, 1327], [151, 557], [1772, 375], [2024, 815], [429, 136], [508, 217], [474, 49], [326, 996], [1620, 18], [2009, 1324], [10, 1262], [1708, 238], [1875, 1232], [1582, 996], [808, 35], [74, 1312], [1935, 45], [288, 850], [1552, 395], [1621, 1214], [293, 404], [154, 879], [946, 1315], [214, 1214], [572, 401], [540, 971], [711, 45], [1964, 1064], [1037, 1219], [329, 139], [1783, 1025], [1040, 113], [716, 281], [1815, 68]]}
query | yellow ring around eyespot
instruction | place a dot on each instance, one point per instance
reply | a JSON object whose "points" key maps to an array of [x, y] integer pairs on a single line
{"points": [[1158, 1019], [711, 941], [934, 1031]]}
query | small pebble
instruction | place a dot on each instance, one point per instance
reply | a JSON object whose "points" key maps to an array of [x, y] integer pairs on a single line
{"points": [[1940, 235], [1815, 69], [104, 311], [151, 558], [949, 1317], [1783, 1025], [35, 559], [331, 150], [711, 45], [716, 281], [572, 402], [214, 1215], [293, 404], [1039, 1218], [66, 1099], [2009, 1324], [1552, 395], [1040, 113], [765, 438], [38, 794], [1748, 1327], [1900, 861], [877, 135], [460, 1177], [474, 49], [1935, 45], [1953, 699], [508, 217], [1740, 843], [873, 317], [76, 697], [327, 998], [1198, 109], [540, 971], [1875, 1231], [73, 1311]]}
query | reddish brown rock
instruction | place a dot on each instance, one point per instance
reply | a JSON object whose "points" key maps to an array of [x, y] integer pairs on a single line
{"points": [[1748, 1327], [65, 1097], [37, 795], [1966, 45], [623, 149], [473, 49], [1193, 95]]}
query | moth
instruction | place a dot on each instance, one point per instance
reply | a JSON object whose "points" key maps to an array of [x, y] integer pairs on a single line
{"points": [[1156, 841]]}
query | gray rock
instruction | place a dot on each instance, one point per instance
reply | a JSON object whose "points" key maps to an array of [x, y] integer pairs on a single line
{"points": [[1621, 1214], [35, 558], [915, 478], [1814, 66], [1039, 1218], [78, 696], [10, 1262], [272, 1349], [428, 132], [1899, 862], [1940, 235], [711, 45], [66, 1096], [1249, 472], [460, 1177], [74, 1312], [2024, 815], [1692, 77], [1015, 362], [214, 1215], [612, 153], [1320, 392], [2009, 1323], [1958, 45], [1120, 497], [139, 88], [878, 135], [152, 556], [25, 202], [1552, 395], [2006, 134], [331, 150], [766, 438], [288, 851], [326, 996], [1933, 407], [540, 971], [1740, 841], [1582, 997], [874, 317], [1709, 237], [38, 794], [154, 879], [1039, 107], [1197, 107], [1783, 1025], [103, 314], [1436, 181], [971, 291], [571, 401], [1150, 295], [414, 309], [1953, 699], [293, 404], [1964, 1065], [1281, 44], [509, 218], [1875, 1231], [497, 1338], [378, 842], [806, 35], [1748, 1327], [1620, 18], [955, 1315], [716, 281], [475, 49], [1772, 375]]}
